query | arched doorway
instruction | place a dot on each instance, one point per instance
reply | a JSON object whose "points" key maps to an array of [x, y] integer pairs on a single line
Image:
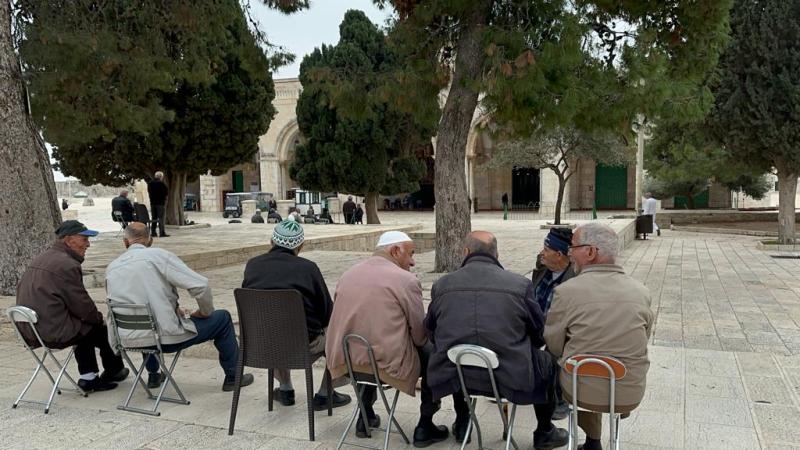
{"points": [[525, 188]]}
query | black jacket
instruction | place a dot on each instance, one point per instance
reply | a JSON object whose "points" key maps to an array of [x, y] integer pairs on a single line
{"points": [[157, 190], [280, 268], [124, 205], [483, 304]]}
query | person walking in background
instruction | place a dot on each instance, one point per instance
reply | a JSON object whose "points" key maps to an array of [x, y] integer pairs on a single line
{"points": [[359, 214], [504, 199], [650, 206], [64, 204], [157, 190], [349, 209]]}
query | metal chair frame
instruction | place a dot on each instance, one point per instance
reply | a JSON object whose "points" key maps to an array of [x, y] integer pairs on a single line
{"points": [[143, 321], [24, 314], [390, 410], [122, 223], [477, 356], [572, 366]]}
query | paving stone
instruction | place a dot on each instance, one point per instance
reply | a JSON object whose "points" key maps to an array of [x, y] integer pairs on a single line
{"points": [[768, 390], [712, 436], [721, 411], [710, 386], [778, 424], [760, 364]]}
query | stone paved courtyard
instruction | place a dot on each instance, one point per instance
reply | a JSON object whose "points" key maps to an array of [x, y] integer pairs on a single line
{"points": [[724, 361]]}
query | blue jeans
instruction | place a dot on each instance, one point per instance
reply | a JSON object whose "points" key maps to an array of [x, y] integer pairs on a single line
{"points": [[219, 327]]}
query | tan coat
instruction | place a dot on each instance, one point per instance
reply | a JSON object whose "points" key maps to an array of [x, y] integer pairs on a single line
{"points": [[602, 311], [380, 301]]}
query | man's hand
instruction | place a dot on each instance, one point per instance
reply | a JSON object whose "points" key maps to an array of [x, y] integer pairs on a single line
{"points": [[182, 313], [197, 314]]}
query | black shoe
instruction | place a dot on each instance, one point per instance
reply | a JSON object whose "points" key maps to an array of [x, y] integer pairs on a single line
{"points": [[285, 398], [163, 235], [427, 435], [154, 380], [562, 411], [320, 402], [556, 437], [374, 422], [658, 232], [119, 375], [460, 430], [96, 385], [230, 383]]}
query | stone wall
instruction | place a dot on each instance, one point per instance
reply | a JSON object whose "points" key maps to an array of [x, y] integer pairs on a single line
{"points": [[680, 217]]}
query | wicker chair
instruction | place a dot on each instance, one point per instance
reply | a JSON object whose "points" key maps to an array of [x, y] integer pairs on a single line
{"points": [[273, 335]]}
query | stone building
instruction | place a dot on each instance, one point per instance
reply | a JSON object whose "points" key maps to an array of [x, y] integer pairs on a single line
{"points": [[594, 185]]}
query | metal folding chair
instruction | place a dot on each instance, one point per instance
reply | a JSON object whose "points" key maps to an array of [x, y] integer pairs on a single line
{"points": [[24, 314], [477, 356], [362, 380], [596, 366], [122, 223], [133, 317]]}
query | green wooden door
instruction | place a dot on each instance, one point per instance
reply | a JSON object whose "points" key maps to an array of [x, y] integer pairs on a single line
{"points": [[611, 187], [700, 201], [238, 181]]}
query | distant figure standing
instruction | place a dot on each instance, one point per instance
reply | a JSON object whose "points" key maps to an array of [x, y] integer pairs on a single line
{"points": [[64, 204], [504, 199], [359, 214], [650, 206], [273, 204], [257, 217], [349, 209], [157, 190]]}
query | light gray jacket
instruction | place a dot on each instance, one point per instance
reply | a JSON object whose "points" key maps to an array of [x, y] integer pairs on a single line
{"points": [[150, 276]]}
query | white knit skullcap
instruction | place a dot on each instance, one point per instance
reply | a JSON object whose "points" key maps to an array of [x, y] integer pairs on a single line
{"points": [[392, 237]]}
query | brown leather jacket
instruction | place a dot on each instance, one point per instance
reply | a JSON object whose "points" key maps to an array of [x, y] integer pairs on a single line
{"points": [[53, 287]]}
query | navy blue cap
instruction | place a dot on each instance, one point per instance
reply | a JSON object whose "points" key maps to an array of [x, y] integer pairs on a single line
{"points": [[73, 227]]}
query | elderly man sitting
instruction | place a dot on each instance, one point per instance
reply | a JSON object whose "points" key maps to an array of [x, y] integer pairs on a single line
{"points": [[144, 275], [282, 268], [601, 311], [381, 300], [483, 304]]}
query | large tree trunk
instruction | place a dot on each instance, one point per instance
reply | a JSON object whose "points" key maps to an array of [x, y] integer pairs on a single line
{"points": [[452, 199], [371, 206], [177, 188], [787, 190], [690, 199], [28, 205]]}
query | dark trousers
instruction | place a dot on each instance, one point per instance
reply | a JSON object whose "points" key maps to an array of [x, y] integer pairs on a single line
{"points": [[159, 211], [85, 355], [219, 327], [428, 406], [348, 218]]}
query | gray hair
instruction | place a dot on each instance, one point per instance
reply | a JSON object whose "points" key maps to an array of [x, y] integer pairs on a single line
{"points": [[136, 233], [159, 175], [475, 245], [601, 236]]}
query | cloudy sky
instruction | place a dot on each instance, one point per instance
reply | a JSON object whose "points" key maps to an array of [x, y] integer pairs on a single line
{"points": [[301, 32]]}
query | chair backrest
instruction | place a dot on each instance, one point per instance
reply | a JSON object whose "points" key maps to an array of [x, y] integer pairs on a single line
{"points": [[597, 366], [473, 355], [23, 314], [133, 317], [141, 213], [272, 328]]}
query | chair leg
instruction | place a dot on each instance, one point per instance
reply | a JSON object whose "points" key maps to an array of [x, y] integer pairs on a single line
{"points": [[572, 421], [28, 385], [390, 421], [58, 378], [270, 387], [353, 416], [236, 391], [510, 430], [617, 432], [329, 385], [310, 395]]}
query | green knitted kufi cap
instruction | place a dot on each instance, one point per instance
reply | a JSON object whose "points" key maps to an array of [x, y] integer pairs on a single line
{"points": [[288, 234]]}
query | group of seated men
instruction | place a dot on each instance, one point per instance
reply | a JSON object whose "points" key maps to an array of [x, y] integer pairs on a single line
{"points": [[581, 302]]}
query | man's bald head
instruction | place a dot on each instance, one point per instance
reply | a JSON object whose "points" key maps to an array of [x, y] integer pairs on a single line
{"points": [[480, 242], [137, 233]]}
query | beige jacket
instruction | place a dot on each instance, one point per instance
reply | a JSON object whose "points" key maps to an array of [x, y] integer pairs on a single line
{"points": [[380, 301], [602, 311]]}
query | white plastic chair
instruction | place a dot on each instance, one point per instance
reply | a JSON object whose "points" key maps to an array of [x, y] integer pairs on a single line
{"points": [[597, 366], [24, 314], [477, 356]]}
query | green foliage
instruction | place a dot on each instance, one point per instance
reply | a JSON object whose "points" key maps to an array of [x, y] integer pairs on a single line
{"points": [[754, 186], [592, 65], [758, 97], [354, 140], [122, 89]]}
